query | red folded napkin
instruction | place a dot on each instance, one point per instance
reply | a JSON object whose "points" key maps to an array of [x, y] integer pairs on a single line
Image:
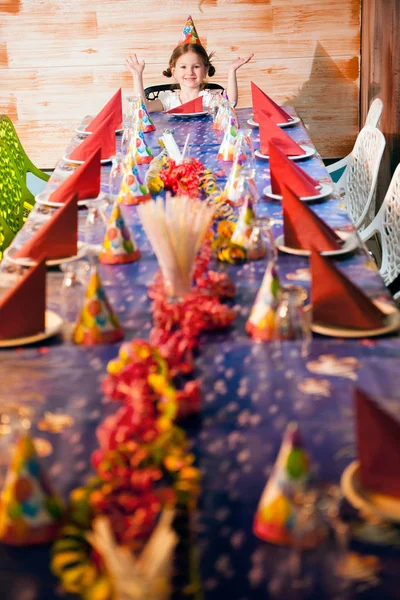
{"points": [[284, 170], [337, 301], [57, 238], [114, 108], [193, 106], [262, 102], [378, 441], [303, 228], [83, 183], [271, 132], [22, 309], [103, 137]]}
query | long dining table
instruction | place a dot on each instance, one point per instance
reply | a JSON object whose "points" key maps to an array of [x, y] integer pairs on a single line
{"points": [[251, 391]]}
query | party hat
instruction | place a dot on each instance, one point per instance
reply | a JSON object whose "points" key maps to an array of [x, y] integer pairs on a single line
{"points": [[113, 108], [118, 246], [193, 106], [138, 148], [302, 226], [284, 170], [271, 132], [22, 308], [276, 513], [133, 190], [260, 324], [145, 121], [189, 33], [378, 441], [262, 102], [226, 150], [84, 182], [103, 137], [337, 301], [57, 238], [244, 226], [97, 323], [30, 512]]}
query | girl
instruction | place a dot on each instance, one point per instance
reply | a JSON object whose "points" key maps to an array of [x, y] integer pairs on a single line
{"points": [[189, 65]]}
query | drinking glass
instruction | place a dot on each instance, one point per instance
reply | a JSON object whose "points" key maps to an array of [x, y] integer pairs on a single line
{"points": [[261, 242], [126, 140], [291, 321], [246, 188], [244, 151], [215, 100], [73, 286], [116, 175], [95, 227], [15, 419]]}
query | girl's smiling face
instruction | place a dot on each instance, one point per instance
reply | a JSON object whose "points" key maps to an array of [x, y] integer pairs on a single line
{"points": [[189, 70]]}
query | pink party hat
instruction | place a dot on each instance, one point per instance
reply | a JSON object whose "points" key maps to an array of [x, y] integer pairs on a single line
{"points": [[146, 124], [97, 322], [133, 190], [226, 150], [244, 225], [138, 149], [189, 33], [118, 246], [30, 512], [260, 324], [277, 511]]}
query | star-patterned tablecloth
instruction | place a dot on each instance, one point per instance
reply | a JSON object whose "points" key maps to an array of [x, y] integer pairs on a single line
{"points": [[250, 393]]}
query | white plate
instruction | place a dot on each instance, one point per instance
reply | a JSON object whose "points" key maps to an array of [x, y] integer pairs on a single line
{"points": [[190, 115], [42, 198], [81, 128], [80, 162], [307, 149], [53, 324], [350, 243], [383, 506], [325, 190], [294, 121], [27, 262], [392, 324]]}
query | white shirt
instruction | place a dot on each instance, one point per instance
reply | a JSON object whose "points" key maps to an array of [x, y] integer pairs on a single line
{"points": [[170, 99]]}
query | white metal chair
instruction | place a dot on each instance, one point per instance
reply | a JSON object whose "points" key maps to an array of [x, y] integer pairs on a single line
{"points": [[386, 225], [373, 117], [362, 174]]}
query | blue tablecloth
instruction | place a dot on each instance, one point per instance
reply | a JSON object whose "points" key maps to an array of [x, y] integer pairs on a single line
{"points": [[251, 392]]}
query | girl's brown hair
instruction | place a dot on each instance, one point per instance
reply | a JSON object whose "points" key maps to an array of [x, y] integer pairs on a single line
{"points": [[184, 49]]}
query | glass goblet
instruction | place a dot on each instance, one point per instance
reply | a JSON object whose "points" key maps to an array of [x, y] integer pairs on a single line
{"points": [[292, 323], [116, 175]]}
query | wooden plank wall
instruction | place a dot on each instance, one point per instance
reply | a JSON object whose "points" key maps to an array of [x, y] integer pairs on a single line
{"points": [[63, 59]]}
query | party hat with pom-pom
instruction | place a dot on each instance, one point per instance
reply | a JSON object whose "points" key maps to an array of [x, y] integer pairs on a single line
{"points": [[133, 190], [138, 149], [278, 509], [30, 511], [97, 322], [118, 246], [260, 324], [189, 33], [226, 150]]}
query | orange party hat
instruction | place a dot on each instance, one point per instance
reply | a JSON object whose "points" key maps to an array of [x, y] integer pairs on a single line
{"points": [[118, 246]]}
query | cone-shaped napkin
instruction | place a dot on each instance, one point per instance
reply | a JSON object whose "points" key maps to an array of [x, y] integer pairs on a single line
{"points": [[138, 149], [244, 227], [378, 441], [145, 121], [22, 309], [260, 324], [103, 137], [97, 322], [57, 238], [337, 301], [271, 132], [284, 170], [113, 108], [133, 190], [262, 102], [30, 512], [84, 182], [193, 106], [302, 226], [226, 150], [276, 513], [118, 246], [189, 33]]}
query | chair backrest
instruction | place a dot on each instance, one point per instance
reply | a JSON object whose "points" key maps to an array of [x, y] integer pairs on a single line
{"points": [[12, 191], [153, 91], [387, 223], [374, 113], [361, 175]]}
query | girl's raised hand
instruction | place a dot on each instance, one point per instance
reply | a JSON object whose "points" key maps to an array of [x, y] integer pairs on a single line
{"points": [[134, 66], [239, 62]]}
